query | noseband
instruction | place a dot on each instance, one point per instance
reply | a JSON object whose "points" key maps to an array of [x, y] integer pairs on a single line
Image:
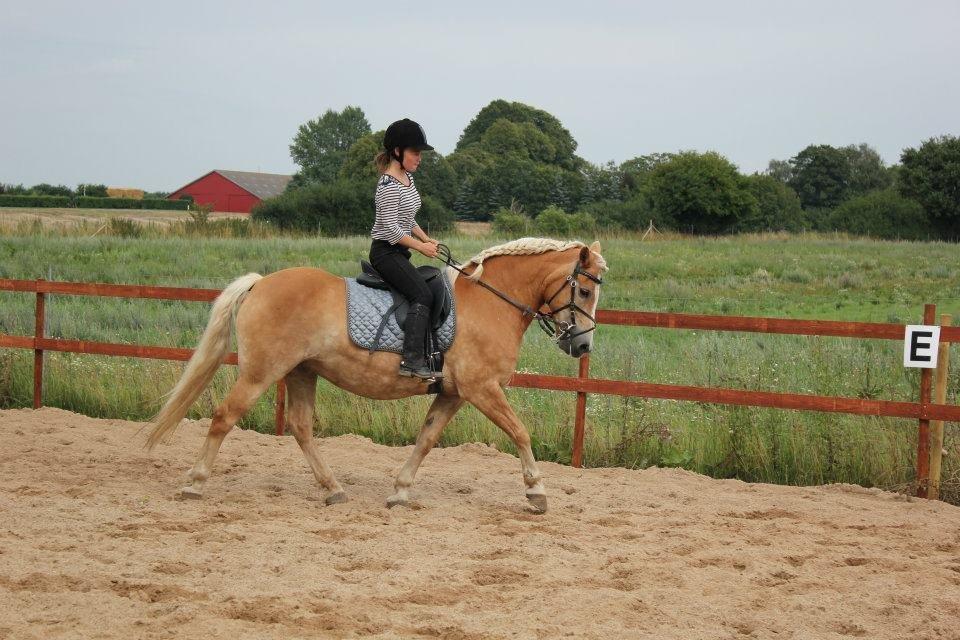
{"points": [[558, 330]]}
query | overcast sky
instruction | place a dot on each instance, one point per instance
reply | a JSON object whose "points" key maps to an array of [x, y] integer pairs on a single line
{"points": [[153, 95]]}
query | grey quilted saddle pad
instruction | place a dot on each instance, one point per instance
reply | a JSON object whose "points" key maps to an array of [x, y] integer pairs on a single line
{"points": [[365, 309]]}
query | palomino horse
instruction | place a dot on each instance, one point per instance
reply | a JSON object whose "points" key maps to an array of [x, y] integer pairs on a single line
{"points": [[292, 324]]}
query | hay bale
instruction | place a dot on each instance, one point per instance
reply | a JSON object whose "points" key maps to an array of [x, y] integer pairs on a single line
{"points": [[122, 192]]}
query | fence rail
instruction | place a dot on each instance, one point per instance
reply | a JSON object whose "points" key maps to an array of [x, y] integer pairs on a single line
{"points": [[924, 411]]}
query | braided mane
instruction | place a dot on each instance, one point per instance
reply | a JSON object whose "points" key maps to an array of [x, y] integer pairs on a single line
{"points": [[524, 246]]}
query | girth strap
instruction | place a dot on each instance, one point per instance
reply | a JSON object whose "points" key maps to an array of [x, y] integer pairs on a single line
{"points": [[383, 324]]}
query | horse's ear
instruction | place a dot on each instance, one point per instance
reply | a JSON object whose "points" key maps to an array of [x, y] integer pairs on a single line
{"points": [[585, 256], [595, 247]]}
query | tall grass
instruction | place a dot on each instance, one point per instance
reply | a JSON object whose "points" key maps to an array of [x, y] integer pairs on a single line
{"points": [[828, 277]]}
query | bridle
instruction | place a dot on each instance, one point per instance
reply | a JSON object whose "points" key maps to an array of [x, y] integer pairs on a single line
{"points": [[558, 330]]}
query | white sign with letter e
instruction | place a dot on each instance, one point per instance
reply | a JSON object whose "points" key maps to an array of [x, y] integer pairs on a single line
{"points": [[920, 346]]}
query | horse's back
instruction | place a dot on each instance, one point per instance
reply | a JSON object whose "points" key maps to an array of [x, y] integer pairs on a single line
{"points": [[296, 295]]}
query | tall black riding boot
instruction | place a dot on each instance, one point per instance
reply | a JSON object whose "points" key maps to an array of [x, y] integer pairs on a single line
{"points": [[414, 363]]}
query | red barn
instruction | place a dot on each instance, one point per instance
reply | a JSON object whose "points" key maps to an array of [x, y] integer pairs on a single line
{"points": [[235, 191]]}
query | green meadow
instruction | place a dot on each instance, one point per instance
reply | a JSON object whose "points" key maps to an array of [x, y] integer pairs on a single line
{"points": [[792, 276]]}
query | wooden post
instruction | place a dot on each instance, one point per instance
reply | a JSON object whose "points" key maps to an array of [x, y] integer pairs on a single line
{"points": [[923, 432], [940, 397], [38, 332], [281, 405], [578, 426]]}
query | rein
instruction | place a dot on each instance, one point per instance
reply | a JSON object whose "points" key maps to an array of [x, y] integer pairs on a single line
{"points": [[557, 329]]}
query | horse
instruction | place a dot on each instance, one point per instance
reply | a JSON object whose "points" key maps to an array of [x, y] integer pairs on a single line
{"points": [[292, 324]]}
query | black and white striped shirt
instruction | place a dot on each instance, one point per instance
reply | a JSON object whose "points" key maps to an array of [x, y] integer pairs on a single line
{"points": [[397, 204]]}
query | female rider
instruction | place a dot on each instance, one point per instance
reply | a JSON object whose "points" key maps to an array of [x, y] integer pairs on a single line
{"points": [[395, 233]]}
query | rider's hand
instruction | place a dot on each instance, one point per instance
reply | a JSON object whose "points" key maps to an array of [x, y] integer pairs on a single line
{"points": [[428, 249], [432, 241]]}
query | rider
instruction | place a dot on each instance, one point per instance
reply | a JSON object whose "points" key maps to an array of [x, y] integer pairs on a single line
{"points": [[395, 232]]}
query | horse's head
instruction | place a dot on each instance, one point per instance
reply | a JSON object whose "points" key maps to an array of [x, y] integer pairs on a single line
{"points": [[570, 301]]}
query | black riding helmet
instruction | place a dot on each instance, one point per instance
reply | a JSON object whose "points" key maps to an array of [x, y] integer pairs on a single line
{"points": [[405, 134]]}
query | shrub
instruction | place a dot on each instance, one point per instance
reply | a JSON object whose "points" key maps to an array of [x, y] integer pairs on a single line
{"points": [[582, 224], [34, 201], [336, 208], [511, 223], [125, 228], [553, 222], [200, 215], [882, 214]]}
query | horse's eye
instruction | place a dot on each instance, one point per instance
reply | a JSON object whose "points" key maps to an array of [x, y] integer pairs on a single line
{"points": [[585, 293]]}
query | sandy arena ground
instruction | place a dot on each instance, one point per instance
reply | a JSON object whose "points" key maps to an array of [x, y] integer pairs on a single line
{"points": [[94, 544]]}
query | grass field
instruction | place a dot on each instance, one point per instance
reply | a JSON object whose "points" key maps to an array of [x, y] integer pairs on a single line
{"points": [[782, 276]]}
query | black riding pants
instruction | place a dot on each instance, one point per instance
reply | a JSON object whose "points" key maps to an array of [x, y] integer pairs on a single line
{"points": [[393, 263]]}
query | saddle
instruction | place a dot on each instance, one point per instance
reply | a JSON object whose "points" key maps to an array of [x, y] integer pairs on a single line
{"points": [[369, 277], [376, 314]]}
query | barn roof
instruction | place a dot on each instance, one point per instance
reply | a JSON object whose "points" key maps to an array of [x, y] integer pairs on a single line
{"points": [[262, 185]]}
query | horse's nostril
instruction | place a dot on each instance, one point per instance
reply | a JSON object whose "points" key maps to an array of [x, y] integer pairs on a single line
{"points": [[585, 348]]}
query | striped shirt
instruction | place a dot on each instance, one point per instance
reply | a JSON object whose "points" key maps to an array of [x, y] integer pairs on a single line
{"points": [[397, 204]]}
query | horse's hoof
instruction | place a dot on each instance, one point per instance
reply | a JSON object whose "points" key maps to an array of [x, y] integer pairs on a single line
{"points": [[538, 502], [191, 493], [337, 498], [396, 501]]}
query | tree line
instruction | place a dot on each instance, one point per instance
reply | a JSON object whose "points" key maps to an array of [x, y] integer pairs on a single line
{"points": [[83, 190], [517, 166]]}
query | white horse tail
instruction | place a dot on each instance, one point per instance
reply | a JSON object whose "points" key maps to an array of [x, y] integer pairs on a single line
{"points": [[206, 359]]}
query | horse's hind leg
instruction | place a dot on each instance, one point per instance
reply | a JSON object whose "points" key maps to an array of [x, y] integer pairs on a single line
{"points": [[301, 396], [241, 397], [440, 413]]}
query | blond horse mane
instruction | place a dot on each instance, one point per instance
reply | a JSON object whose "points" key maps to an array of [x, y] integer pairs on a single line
{"points": [[523, 247]]}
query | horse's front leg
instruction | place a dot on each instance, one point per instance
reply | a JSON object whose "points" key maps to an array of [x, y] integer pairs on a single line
{"points": [[492, 402], [441, 411]]}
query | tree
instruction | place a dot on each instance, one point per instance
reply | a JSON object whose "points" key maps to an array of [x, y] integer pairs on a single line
{"points": [[704, 192], [437, 179], [320, 145], [780, 170], [778, 207], [358, 161], [601, 182], [634, 172], [821, 176], [13, 189], [561, 143], [867, 171], [44, 189], [93, 190], [931, 176]]}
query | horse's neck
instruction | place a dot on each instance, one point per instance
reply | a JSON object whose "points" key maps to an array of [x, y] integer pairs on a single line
{"points": [[521, 278], [512, 277]]}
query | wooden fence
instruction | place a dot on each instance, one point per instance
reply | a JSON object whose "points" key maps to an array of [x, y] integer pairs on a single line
{"points": [[924, 411]]}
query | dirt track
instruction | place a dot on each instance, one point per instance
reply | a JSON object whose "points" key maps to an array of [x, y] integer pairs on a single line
{"points": [[94, 544]]}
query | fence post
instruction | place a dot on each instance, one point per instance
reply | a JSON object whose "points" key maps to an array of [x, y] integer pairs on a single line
{"points": [[923, 431], [281, 405], [38, 333], [940, 397], [578, 426]]}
